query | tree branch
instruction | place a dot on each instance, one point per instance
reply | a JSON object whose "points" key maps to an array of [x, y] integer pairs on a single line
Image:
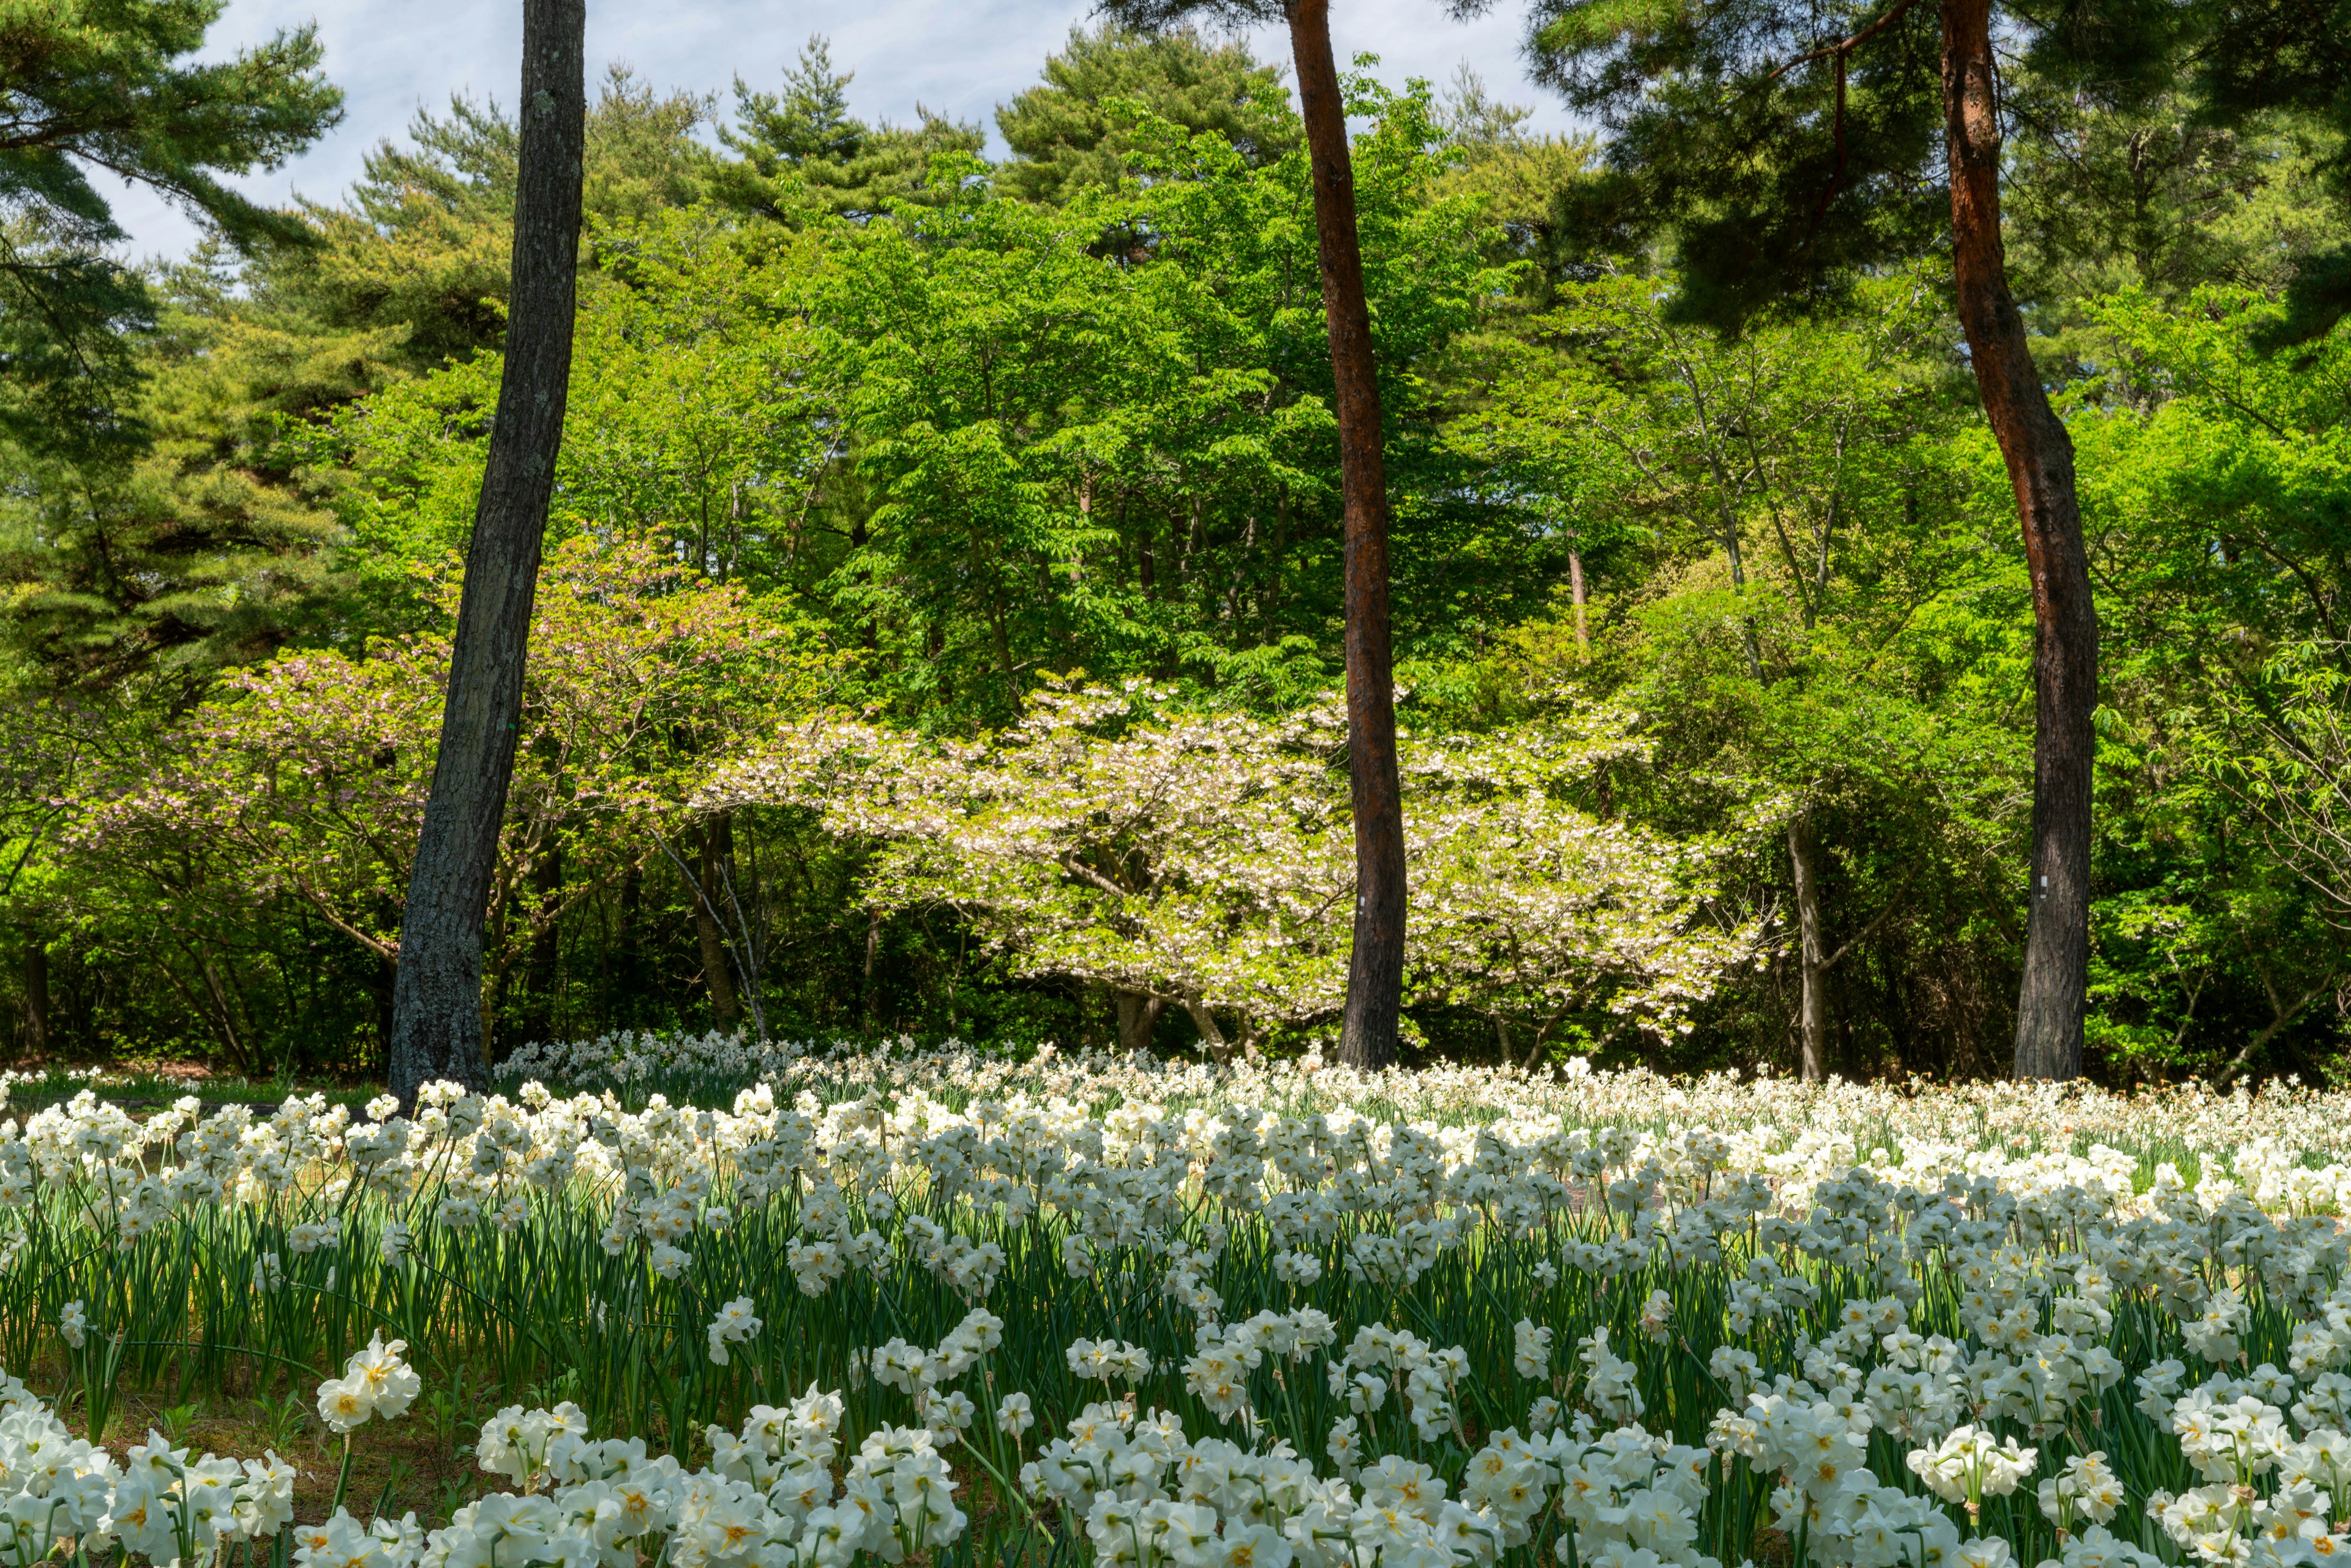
{"points": [[1876, 920], [376, 945], [1848, 46], [2237, 1062], [1083, 872]]}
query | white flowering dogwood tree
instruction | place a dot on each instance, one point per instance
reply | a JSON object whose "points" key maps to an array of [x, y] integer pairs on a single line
{"points": [[1202, 859], [1529, 909]]}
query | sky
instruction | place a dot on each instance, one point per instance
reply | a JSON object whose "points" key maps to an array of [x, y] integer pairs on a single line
{"points": [[961, 57]]}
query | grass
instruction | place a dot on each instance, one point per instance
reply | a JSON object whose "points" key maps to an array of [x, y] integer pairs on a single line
{"points": [[149, 1087], [425, 1462]]}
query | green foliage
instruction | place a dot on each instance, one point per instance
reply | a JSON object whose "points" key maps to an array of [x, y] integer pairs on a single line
{"points": [[414, 259], [2258, 56], [1792, 586], [1068, 132], [2221, 509], [212, 544], [68, 323], [799, 153], [1067, 464], [161, 523], [305, 778], [1784, 150], [1521, 180], [112, 86], [953, 428], [2155, 199], [1765, 190]]}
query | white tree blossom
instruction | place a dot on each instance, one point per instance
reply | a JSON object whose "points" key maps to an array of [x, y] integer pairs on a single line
{"points": [[1203, 859]]}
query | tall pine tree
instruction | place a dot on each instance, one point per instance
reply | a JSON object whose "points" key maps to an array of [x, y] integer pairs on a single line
{"points": [[1782, 147], [108, 84]]}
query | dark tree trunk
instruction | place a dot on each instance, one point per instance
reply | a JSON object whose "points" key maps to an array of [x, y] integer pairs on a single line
{"points": [[546, 950], [436, 1008], [36, 994], [2053, 999], [1375, 966], [1138, 1021], [873, 1003], [709, 928]]}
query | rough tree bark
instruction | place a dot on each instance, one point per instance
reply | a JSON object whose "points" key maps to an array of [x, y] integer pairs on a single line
{"points": [[2053, 999], [436, 1022], [1375, 966]]}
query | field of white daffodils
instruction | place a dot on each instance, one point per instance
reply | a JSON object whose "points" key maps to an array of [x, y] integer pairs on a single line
{"points": [[940, 1308]]}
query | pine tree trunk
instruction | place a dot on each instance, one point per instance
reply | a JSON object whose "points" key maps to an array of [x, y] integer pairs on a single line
{"points": [[1375, 965], [1812, 954], [2053, 1000], [437, 1005]]}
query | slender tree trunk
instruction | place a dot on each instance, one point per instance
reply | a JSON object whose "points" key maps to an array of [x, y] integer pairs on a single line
{"points": [[1375, 965], [873, 957], [436, 1006], [1575, 591], [220, 1004], [546, 949], [627, 978], [1212, 1038], [717, 966], [2053, 999], [1813, 1006], [379, 993], [36, 994]]}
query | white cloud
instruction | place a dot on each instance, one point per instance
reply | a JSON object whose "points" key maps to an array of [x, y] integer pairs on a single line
{"points": [[959, 57]]}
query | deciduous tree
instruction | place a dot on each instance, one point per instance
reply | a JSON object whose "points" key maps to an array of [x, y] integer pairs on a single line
{"points": [[1066, 133], [1201, 861], [305, 781]]}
